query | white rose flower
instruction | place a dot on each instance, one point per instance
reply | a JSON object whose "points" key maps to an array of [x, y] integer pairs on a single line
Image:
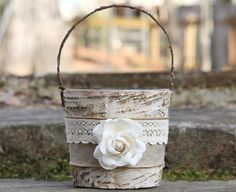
{"points": [[119, 143]]}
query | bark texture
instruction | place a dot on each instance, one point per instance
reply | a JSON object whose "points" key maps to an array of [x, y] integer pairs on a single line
{"points": [[103, 104], [119, 178]]}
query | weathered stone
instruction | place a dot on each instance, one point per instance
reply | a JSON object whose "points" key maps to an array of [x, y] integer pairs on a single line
{"points": [[197, 89], [180, 186], [199, 138], [144, 80]]}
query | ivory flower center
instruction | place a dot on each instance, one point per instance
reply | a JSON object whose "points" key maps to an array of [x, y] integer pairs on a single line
{"points": [[119, 146]]}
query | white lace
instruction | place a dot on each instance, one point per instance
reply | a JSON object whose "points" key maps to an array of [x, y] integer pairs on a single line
{"points": [[81, 130]]}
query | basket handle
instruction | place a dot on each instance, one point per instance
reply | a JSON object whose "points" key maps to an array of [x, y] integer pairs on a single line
{"points": [[61, 85]]}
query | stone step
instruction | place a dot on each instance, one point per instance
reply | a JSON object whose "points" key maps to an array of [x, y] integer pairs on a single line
{"points": [[199, 139], [180, 186]]}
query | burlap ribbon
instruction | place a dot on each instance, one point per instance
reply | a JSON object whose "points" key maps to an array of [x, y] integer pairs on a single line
{"points": [[82, 155]]}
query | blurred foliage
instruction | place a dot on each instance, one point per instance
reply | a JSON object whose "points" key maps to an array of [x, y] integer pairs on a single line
{"points": [[1, 7], [225, 1], [2, 84], [1, 4]]}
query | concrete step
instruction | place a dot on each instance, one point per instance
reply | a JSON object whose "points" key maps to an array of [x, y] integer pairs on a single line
{"points": [[33, 138], [180, 186]]}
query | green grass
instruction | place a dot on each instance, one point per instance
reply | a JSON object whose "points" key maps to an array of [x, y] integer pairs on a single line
{"points": [[197, 175], [60, 170]]}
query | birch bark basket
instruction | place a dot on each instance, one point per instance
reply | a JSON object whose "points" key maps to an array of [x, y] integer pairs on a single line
{"points": [[104, 104], [85, 109]]}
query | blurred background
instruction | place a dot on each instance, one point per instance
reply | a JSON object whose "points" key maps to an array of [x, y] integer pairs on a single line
{"points": [[203, 34], [118, 48]]}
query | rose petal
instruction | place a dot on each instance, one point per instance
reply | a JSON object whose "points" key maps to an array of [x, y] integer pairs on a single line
{"points": [[109, 129], [103, 147], [105, 166], [120, 162], [97, 153], [108, 160], [98, 132], [140, 146], [130, 139], [136, 159], [128, 158], [131, 126]]}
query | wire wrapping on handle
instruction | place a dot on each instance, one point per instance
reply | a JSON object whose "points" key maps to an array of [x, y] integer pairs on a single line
{"points": [[61, 85]]}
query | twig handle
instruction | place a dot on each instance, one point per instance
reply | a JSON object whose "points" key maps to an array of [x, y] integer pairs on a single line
{"points": [[61, 85]]}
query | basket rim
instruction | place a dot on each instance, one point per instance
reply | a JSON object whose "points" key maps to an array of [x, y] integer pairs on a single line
{"points": [[117, 90]]}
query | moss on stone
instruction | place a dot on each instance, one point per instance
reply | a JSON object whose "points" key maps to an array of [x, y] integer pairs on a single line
{"points": [[197, 175], [57, 170], [60, 170]]}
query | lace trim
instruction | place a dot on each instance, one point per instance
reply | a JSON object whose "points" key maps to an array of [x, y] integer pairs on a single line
{"points": [[81, 130]]}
